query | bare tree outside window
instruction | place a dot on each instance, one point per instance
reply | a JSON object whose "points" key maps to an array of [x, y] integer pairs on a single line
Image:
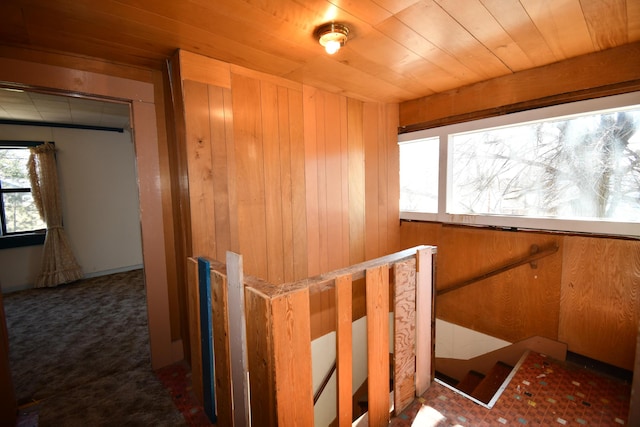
{"points": [[585, 167], [19, 213]]}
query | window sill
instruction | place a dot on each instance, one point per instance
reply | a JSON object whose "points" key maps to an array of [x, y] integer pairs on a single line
{"points": [[19, 240]]}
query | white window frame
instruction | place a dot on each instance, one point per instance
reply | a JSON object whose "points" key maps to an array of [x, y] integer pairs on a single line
{"points": [[603, 227]]}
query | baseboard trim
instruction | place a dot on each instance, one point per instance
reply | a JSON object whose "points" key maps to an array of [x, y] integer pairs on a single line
{"points": [[600, 367], [112, 271]]}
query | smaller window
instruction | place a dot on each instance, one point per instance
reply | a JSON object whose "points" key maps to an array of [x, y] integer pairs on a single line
{"points": [[419, 175], [19, 217]]}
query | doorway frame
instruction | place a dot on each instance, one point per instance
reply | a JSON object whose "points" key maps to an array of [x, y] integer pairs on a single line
{"points": [[140, 94]]}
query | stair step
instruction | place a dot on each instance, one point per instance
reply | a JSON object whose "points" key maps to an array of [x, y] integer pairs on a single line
{"points": [[470, 382], [446, 379], [488, 387]]}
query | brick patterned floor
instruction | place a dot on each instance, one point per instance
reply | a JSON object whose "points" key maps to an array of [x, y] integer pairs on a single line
{"points": [[544, 392]]}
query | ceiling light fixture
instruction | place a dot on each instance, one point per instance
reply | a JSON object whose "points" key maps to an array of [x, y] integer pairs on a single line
{"points": [[332, 36]]}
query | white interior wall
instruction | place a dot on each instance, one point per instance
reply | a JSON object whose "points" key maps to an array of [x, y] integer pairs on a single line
{"points": [[99, 194], [457, 342], [323, 354]]}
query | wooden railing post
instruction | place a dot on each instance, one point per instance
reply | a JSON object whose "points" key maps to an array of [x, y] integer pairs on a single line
{"points": [[260, 358], [344, 352], [291, 329], [377, 296], [424, 319]]}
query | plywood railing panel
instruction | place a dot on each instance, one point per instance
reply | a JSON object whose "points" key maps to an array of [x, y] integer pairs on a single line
{"points": [[404, 347], [377, 279]]}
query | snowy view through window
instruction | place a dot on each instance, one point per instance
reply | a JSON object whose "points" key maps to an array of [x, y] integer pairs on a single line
{"points": [[583, 167], [571, 167]]}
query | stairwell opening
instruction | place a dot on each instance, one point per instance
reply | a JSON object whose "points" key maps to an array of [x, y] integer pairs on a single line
{"points": [[483, 388]]}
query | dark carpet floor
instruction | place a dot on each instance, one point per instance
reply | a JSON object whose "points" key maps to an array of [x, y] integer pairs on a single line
{"points": [[79, 355]]}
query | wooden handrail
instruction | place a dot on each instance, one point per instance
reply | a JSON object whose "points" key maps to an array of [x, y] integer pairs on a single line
{"points": [[324, 383], [535, 255]]}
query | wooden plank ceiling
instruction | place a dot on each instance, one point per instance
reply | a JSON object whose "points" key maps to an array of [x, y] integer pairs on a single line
{"points": [[398, 49]]}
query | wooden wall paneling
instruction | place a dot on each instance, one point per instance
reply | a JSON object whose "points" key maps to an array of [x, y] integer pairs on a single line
{"points": [[377, 283], [250, 185], [193, 299], [344, 351], [199, 160], [356, 179], [404, 338], [274, 200], [392, 153], [413, 233], [296, 128], [345, 256], [321, 160], [600, 299], [382, 176], [634, 404], [371, 133], [220, 176], [311, 179], [312, 209], [336, 206], [292, 358], [286, 184], [232, 190], [330, 196], [513, 305], [221, 348]]}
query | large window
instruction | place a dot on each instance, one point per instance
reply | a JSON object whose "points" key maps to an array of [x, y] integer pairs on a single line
{"points": [[574, 167], [20, 222]]}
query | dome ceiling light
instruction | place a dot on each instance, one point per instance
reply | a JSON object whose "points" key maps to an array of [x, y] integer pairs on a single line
{"points": [[332, 36]]}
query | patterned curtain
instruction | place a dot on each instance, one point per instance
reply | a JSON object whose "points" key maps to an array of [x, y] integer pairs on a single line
{"points": [[59, 265]]}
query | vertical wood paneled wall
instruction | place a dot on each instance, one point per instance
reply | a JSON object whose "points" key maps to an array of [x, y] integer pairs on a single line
{"points": [[587, 294], [298, 180]]}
